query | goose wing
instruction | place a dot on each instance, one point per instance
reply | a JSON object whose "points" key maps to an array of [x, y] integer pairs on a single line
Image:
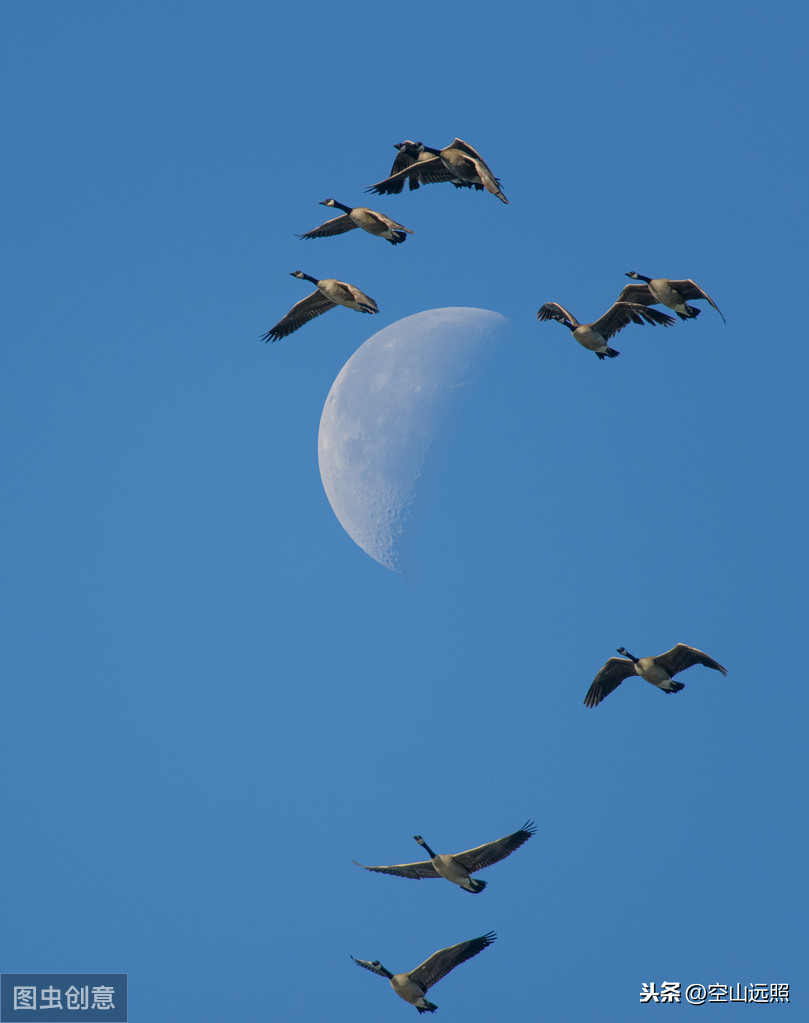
{"points": [[621, 314], [482, 169], [485, 855], [690, 289], [440, 963], [374, 967], [681, 657], [464, 147], [383, 220], [609, 678], [638, 294], [424, 868], [554, 311], [307, 309], [350, 295], [337, 226], [428, 172]]}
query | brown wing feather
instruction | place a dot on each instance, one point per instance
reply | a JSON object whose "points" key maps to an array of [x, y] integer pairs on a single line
{"points": [[464, 147], [440, 963], [307, 309], [621, 314], [681, 657], [492, 852], [369, 966], [608, 679], [422, 869], [639, 294], [426, 171], [554, 311], [337, 226], [690, 290]]}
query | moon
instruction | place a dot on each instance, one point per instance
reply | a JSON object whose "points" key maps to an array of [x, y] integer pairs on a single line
{"points": [[384, 415]]}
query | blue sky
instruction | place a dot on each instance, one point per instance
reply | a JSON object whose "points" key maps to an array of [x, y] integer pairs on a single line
{"points": [[214, 700]]}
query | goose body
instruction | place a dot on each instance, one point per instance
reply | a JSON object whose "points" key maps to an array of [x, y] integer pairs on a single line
{"points": [[594, 336], [656, 670], [457, 867], [330, 293], [457, 162], [674, 294], [413, 986], [359, 216]]}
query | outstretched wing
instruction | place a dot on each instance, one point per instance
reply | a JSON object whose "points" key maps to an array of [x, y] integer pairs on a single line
{"points": [[638, 294], [609, 678], [373, 967], [440, 963], [424, 868], [621, 314], [337, 226], [427, 172], [485, 855], [307, 309], [554, 311], [690, 290], [464, 147], [681, 657]]}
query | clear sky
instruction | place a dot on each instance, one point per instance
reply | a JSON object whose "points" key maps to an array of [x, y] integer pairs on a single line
{"points": [[213, 699]]}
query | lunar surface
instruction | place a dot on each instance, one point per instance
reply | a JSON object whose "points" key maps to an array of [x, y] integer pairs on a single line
{"points": [[384, 416]]}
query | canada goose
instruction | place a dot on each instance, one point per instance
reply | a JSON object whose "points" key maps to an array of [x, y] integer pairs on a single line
{"points": [[329, 294], [360, 216], [594, 336], [457, 161], [657, 670], [410, 153], [669, 293], [458, 866], [413, 986]]}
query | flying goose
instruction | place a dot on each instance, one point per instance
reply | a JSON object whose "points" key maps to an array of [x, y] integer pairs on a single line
{"points": [[413, 986], [360, 216], [457, 867], [657, 670], [594, 336], [457, 161], [669, 293], [329, 294], [410, 153]]}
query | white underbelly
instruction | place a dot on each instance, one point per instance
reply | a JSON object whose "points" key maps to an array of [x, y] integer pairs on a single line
{"points": [[590, 339]]}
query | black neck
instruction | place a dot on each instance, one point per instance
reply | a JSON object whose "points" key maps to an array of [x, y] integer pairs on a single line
{"points": [[430, 853]]}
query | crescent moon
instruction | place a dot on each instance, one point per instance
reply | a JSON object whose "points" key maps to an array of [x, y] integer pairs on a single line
{"points": [[384, 413]]}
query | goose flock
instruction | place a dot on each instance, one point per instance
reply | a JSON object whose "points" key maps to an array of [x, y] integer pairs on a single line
{"points": [[463, 166], [459, 164]]}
